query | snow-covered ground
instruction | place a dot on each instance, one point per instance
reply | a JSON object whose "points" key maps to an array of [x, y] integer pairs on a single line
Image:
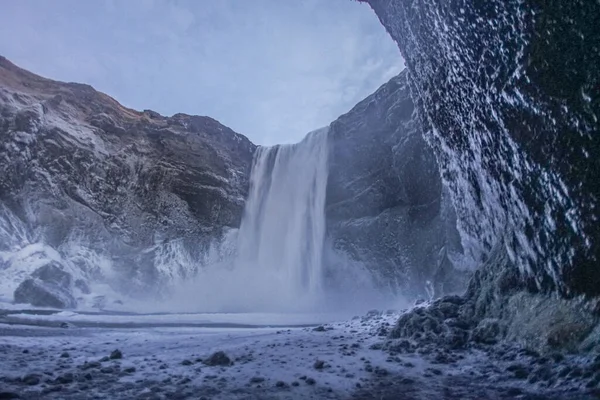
{"points": [[61, 356]]}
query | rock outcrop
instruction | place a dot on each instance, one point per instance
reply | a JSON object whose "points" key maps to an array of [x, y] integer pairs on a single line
{"points": [[508, 95], [386, 205], [49, 286], [113, 190]]}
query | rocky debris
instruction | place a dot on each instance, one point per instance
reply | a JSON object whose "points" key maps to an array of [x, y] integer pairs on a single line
{"points": [[488, 331], [65, 378], [186, 363], [116, 355], [319, 328], [257, 379], [438, 323], [31, 379], [319, 364], [48, 286], [65, 355], [218, 358]]}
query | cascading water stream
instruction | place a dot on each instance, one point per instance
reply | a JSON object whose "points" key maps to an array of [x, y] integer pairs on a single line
{"points": [[283, 229], [277, 265]]}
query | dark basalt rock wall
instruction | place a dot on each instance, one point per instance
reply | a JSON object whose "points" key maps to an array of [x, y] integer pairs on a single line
{"points": [[508, 94], [76, 165], [386, 206]]}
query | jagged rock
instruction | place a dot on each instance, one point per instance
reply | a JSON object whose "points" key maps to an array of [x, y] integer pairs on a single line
{"points": [[31, 379], [217, 358], [49, 286], [488, 331], [116, 355], [510, 107]]}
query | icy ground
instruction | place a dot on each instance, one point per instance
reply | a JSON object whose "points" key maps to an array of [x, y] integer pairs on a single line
{"points": [[72, 356]]}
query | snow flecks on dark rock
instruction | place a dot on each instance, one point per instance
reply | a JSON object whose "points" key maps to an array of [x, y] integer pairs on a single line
{"points": [[507, 94]]}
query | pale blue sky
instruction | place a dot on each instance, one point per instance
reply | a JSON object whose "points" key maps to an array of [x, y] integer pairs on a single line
{"points": [[270, 69]]}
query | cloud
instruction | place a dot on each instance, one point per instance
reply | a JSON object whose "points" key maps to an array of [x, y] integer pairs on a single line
{"points": [[270, 69]]}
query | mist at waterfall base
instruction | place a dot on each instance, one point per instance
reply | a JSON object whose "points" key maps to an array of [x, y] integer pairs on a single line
{"points": [[278, 259]]}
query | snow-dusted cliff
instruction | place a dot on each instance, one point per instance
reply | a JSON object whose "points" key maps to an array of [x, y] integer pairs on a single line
{"points": [[113, 195], [508, 94]]}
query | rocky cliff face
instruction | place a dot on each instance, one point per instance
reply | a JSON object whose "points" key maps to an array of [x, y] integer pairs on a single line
{"points": [[386, 205], [508, 93], [114, 193]]}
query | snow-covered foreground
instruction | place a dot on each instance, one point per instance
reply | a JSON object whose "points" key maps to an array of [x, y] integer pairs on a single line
{"points": [[334, 361]]}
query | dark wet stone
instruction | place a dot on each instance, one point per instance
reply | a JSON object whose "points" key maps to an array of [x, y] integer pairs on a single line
{"points": [[107, 370], [257, 379], [319, 328], [218, 358], [521, 373], [280, 384], [116, 355], [295, 383], [89, 365], [319, 364], [186, 362], [88, 376], [66, 378], [310, 381], [65, 355], [129, 370], [31, 379]]}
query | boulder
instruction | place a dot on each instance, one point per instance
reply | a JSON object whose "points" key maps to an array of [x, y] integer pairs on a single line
{"points": [[48, 286]]}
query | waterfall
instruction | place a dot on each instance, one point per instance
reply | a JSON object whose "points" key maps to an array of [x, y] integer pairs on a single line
{"points": [[277, 263], [283, 228]]}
